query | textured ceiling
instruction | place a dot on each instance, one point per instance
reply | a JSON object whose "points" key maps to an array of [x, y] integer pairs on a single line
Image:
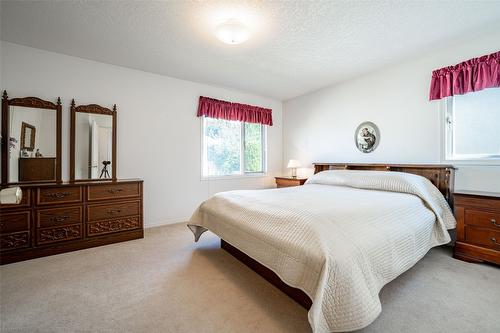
{"points": [[296, 46]]}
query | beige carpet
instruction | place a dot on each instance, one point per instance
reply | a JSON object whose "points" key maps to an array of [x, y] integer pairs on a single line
{"points": [[167, 283]]}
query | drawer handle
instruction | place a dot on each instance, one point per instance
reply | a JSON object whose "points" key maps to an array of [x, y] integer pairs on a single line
{"points": [[494, 222], [113, 191], [59, 218], [494, 241], [57, 195], [114, 211]]}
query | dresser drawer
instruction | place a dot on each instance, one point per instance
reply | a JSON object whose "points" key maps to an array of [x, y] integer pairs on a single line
{"points": [[477, 202], [13, 222], [14, 241], [113, 210], [484, 237], [113, 191], [483, 219], [25, 201], [58, 195], [59, 216], [289, 182], [114, 225], [59, 234]]}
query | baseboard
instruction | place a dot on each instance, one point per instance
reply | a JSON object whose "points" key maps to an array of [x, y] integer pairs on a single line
{"points": [[162, 223]]}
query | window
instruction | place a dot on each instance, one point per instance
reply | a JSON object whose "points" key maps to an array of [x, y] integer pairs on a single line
{"points": [[472, 126], [232, 148]]}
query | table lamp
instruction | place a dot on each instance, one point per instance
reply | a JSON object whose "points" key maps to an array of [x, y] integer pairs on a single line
{"points": [[293, 164]]}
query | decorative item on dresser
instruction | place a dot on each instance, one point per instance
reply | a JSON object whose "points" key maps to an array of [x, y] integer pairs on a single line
{"points": [[57, 218], [478, 226], [289, 181]]}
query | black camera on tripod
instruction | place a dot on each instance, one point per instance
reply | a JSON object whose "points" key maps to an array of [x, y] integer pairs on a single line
{"points": [[104, 171]]}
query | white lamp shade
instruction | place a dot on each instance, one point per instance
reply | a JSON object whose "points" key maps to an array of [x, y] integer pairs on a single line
{"points": [[11, 195], [293, 164]]}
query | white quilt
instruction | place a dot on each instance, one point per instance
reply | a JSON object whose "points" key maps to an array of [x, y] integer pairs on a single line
{"points": [[340, 238]]}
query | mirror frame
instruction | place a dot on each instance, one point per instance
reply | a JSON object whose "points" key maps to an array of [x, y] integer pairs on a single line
{"points": [[30, 102], [95, 109]]}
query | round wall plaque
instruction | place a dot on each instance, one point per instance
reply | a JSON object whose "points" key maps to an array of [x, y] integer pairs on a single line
{"points": [[367, 137]]}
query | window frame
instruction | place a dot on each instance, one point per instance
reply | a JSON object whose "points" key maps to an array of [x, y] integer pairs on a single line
{"points": [[243, 173], [447, 140]]}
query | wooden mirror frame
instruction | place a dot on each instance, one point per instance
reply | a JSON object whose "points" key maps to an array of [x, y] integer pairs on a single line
{"points": [[30, 102], [95, 109]]}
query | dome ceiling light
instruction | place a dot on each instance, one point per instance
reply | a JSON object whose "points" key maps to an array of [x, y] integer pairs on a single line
{"points": [[232, 32]]}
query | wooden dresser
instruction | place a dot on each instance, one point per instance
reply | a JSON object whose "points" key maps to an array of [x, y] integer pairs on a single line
{"points": [[289, 181], [56, 218], [478, 227]]}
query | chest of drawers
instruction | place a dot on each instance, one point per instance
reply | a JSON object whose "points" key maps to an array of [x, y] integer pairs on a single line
{"points": [[478, 227], [57, 218]]}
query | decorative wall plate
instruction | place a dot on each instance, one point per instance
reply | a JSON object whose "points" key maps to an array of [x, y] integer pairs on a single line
{"points": [[367, 137]]}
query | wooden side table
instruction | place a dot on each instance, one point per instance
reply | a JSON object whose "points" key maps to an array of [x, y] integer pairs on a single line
{"points": [[289, 181], [478, 227]]}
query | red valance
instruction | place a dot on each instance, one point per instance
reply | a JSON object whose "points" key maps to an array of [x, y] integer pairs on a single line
{"points": [[214, 108], [471, 75]]}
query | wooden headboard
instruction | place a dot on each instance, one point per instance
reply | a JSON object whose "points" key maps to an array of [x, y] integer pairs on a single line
{"points": [[442, 176]]}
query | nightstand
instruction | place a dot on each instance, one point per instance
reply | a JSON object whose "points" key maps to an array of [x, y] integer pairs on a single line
{"points": [[289, 181], [478, 226]]}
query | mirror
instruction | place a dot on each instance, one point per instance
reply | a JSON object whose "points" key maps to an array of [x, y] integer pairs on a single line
{"points": [[93, 146], [33, 129]]}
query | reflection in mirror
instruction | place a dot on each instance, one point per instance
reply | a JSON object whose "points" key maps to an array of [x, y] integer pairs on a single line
{"points": [[93, 146], [32, 144], [27, 136]]}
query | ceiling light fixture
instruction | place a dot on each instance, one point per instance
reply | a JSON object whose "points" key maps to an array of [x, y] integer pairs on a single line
{"points": [[232, 32]]}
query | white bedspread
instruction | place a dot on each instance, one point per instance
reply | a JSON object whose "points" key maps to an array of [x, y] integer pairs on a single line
{"points": [[340, 238]]}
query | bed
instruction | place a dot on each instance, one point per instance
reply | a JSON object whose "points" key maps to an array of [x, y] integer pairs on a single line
{"points": [[334, 242]]}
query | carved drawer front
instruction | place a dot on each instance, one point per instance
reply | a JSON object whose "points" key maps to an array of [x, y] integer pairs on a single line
{"points": [[112, 191], [13, 222], [14, 241], [107, 226], [59, 234], [57, 195], [483, 219], [59, 216], [484, 237], [113, 210], [25, 201]]}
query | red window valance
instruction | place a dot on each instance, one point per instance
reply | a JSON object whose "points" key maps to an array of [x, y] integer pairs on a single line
{"points": [[214, 108], [471, 75]]}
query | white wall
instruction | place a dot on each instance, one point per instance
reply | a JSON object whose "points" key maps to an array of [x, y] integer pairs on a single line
{"points": [[319, 127], [158, 131]]}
